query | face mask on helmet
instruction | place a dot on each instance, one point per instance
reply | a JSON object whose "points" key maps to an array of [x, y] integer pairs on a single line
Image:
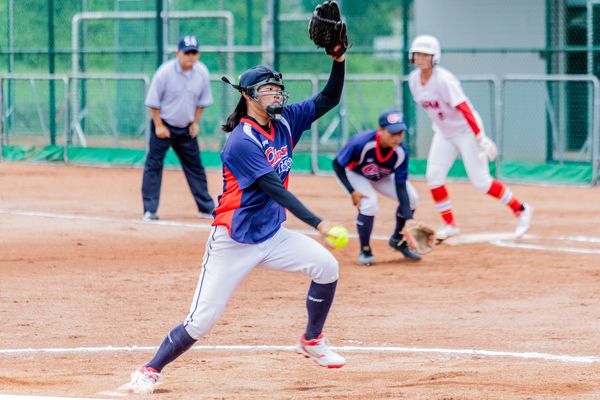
{"points": [[254, 78], [274, 109]]}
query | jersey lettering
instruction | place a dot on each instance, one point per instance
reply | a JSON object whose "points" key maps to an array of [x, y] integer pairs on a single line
{"points": [[190, 41], [374, 171], [439, 98], [430, 104], [273, 155], [284, 166], [363, 156]]}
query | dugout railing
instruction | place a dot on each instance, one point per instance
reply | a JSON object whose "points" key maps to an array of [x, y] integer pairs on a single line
{"points": [[32, 116], [564, 113], [307, 91], [92, 90], [227, 16], [363, 99], [11, 114]]}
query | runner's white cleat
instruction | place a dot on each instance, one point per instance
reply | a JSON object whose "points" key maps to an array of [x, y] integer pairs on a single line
{"points": [[319, 351], [143, 380], [524, 220], [446, 231]]}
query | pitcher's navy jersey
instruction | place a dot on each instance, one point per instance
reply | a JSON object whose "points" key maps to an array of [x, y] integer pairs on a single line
{"points": [[250, 215], [362, 154]]}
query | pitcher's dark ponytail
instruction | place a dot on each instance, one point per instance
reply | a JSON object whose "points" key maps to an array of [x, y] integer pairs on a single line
{"points": [[241, 110]]}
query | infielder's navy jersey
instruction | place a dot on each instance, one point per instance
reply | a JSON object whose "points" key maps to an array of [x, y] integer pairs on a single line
{"points": [[250, 215], [362, 154]]}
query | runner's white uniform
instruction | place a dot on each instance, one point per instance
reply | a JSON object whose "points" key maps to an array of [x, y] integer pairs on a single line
{"points": [[452, 133]]}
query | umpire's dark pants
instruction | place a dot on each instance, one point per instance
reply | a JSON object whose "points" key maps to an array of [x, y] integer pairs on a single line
{"points": [[188, 152]]}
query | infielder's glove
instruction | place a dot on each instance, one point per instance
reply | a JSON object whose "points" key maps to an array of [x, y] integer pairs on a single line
{"points": [[420, 238], [326, 29]]}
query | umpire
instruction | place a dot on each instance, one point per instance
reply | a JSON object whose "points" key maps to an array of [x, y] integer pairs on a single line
{"points": [[178, 94]]}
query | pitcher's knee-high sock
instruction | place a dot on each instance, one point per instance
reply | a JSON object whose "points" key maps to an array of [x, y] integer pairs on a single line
{"points": [[177, 342], [443, 204], [318, 302], [503, 193], [364, 226]]}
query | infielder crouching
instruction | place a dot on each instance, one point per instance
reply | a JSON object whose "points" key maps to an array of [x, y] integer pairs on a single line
{"points": [[377, 161]]}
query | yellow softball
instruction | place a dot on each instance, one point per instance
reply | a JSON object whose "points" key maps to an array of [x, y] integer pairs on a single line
{"points": [[338, 236]]}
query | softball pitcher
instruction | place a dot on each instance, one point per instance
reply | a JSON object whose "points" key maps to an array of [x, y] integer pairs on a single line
{"points": [[457, 130], [377, 161], [247, 229]]}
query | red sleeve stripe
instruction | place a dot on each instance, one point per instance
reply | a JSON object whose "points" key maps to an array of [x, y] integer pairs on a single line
{"points": [[466, 111]]}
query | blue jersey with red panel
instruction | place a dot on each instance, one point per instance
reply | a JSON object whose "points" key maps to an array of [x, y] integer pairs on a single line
{"points": [[363, 155], [250, 215]]}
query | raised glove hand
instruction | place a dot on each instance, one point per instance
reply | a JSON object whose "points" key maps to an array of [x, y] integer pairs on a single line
{"points": [[326, 29], [419, 237], [487, 146]]}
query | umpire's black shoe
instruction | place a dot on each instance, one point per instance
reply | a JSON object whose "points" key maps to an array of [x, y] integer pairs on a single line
{"points": [[401, 246]]}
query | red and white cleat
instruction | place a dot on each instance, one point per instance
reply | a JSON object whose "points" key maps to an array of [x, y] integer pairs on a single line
{"points": [[524, 220], [446, 232], [143, 380], [319, 351]]}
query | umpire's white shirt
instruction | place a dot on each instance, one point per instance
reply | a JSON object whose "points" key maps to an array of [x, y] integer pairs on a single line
{"points": [[177, 93]]}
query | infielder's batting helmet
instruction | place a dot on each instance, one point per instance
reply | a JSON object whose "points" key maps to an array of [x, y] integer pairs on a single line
{"points": [[426, 44]]}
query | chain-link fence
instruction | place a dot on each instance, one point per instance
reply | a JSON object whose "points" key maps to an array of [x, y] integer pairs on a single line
{"points": [[33, 98], [125, 37], [554, 127], [544, 123], [114, 36], [135, 36]]}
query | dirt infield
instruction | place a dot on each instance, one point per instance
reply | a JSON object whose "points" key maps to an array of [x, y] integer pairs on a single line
{"points": [[83, 281]]}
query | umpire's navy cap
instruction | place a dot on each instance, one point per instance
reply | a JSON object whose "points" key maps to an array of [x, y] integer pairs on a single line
{"points": [[393, 121], [187, 43], [259, 76]]}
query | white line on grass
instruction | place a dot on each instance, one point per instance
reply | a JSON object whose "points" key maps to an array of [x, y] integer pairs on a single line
{"points": [[349, 349]]}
